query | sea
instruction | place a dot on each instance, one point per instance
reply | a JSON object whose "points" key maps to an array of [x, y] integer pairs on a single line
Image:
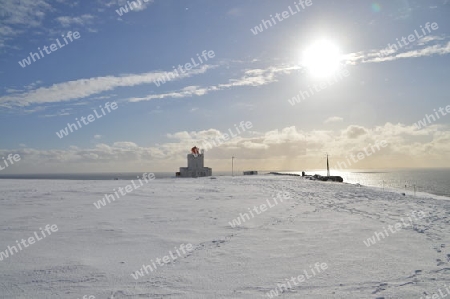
{"points": [[433, 181]]}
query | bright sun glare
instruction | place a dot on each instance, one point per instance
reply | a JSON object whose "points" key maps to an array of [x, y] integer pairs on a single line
{"points": [[322, 58]]}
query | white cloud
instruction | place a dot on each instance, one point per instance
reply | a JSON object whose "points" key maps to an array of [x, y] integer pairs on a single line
{"points": [[29, 13], [333, 119], [139, 6], [82, 20], [354, 131], [187, 91], [429, 38], [284, 148], [253, 78], [62, 112], [235, 12], [429, 51], [384, 55], [83, 88], [18, 17], [7, 31], [12, 90]]}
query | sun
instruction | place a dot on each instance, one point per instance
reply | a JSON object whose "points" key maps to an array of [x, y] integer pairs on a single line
{"points": [[322, 58]]}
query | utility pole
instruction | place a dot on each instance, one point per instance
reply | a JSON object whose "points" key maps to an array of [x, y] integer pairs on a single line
{"points": [[232, 166], [328, 167]]}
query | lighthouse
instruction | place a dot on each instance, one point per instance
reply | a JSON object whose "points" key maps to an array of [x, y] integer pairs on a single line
{"points": [[196, 168]]}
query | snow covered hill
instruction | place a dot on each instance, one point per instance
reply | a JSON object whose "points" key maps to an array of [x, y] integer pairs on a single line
{"points": [[180, 238]]}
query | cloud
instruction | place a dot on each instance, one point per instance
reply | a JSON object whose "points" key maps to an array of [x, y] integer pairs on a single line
{"points": [[353, 131], [62, 112], [28, 13], [252, 78], [82, 20], [286, 148], [140, 5], [235, 12], [384, 55], [433, 50], [7, 31], [84, 88], [18, 16], [188, 91], [333, 119], [429, 38], [260, 77]]}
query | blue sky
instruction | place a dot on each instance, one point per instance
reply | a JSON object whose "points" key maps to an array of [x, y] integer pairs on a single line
{"points": [[250, 78]]}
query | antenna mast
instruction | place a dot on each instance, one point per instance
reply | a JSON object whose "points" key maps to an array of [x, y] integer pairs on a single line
{"points": [[328, 167]]}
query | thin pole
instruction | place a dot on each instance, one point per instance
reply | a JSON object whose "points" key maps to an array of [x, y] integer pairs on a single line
{"points": [[232, 166], [328, 167]]}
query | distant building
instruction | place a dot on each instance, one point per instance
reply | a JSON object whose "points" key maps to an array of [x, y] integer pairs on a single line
{"points": [[195, 165], [250, 172]]}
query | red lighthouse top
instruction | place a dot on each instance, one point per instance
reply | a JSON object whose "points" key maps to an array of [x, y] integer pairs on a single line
{"points": [[195, 150]]}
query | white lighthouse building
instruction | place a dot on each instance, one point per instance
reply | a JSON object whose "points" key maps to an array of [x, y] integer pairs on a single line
{"points": [[196, 166]]}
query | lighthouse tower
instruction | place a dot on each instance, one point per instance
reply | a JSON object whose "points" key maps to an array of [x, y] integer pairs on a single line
{"points": [[196, 162]]}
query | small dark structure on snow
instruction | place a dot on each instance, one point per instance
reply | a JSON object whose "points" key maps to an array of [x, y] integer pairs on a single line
{"points": [[330, 178], [327, 178]]}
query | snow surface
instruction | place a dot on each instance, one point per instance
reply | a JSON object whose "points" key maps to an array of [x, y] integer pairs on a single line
{"points": [[95, 250]]}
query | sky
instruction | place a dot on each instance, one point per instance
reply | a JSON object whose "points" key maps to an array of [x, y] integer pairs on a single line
{"points": [[287, 81]]}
